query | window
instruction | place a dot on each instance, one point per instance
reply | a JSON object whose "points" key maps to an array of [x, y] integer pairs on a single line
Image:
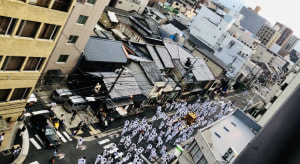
{"points": [[82, 19], [42, 3], [7, 25], [72, 39], [63, 58], [91, 1], [20, 93], [203, 160], [4, 94], [197, 156], [34, 63], [61, 5], [28, 29], [12, 63], [49, 31]]}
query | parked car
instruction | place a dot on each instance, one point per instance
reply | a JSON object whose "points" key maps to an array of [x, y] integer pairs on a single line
{"points": [[60, 95], [75, 103], [45, 130]]}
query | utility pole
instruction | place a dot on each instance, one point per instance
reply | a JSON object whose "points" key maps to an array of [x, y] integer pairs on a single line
{"points": [[186, 73], [110, 89]]}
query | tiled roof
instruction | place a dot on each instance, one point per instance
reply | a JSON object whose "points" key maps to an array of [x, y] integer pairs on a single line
{"points": [[104, 50], [164, 56], [155, 57], [125, 86]]}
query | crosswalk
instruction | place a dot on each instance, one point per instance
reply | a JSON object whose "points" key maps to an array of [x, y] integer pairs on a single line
{"points": [[38, 143]]}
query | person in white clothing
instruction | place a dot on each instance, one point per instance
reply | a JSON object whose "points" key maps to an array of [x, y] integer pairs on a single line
{"points": [[80, 141], [98, 158], [82, 160]]}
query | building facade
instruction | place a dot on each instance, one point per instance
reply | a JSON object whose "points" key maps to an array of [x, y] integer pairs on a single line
{"points": [[128, 5], [222, 141], [79, 27], [265, 34], [28, 33], [286, 33]]}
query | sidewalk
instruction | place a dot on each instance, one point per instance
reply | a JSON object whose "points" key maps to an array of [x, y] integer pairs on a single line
{"points": [[6, 156]]}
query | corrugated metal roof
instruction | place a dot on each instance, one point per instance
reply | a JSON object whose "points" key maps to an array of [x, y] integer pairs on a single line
{"points": [[152, 71], [155, 57], [125, 86], [173, 49], [164, 56], [104, 50], [201, 71]]}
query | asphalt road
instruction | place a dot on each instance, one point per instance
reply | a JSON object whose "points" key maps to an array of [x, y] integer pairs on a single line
{"points": [[94, 144]]}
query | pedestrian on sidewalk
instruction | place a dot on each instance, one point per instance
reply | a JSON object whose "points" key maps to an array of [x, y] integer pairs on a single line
{"points": [[1, 138], [80, 141], [62, 119], [15, 153], [82, 160], [79, 125], [74, 113]]}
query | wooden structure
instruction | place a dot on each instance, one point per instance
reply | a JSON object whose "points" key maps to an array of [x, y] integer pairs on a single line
{"points": [[190, 118]]}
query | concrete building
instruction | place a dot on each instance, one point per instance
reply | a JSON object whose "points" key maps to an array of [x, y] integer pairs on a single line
{"points": [[75, 35], [262, 54], [286, 33], [208, 26], [234, 54], [243, 37], [128, 5], [291, 43], [265, 34], [274, 38], [28, 33], [251, 21], [282, 94], [222, 141]]}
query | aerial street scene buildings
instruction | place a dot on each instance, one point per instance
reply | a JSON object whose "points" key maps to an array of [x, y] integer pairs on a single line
{"points": [[146, 81]]}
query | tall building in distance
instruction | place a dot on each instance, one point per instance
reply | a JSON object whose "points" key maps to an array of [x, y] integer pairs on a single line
{"points": [[251, 21], [78, 29], [265, 34], [28, 33], [291, 43], [286, 33]]}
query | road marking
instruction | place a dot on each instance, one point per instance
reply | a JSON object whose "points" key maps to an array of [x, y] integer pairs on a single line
{"points": [[145, 159], [37, 136], [61, 136], [35, 162], [67, 136], [107, 146], [35, 144], [103, 141], [27, 114]]}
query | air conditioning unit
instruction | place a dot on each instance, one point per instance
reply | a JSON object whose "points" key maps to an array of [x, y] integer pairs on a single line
{"points": [[229, 154]]}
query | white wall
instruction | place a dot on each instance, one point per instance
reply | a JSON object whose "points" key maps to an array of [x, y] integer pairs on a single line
{"points": [[208, 27], [236, 56]]}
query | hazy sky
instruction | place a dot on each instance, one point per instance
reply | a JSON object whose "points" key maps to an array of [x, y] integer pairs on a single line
{"points": [[286, 12]]}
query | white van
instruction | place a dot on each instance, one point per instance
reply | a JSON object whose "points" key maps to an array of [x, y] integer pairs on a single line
{"points": [[75, 103]]}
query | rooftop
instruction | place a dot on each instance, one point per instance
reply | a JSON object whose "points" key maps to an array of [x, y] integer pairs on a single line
{"points": [[104, 50], [126, 85], [235, 131]]}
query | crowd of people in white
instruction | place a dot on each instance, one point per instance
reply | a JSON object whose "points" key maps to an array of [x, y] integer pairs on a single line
{"points": [[155, 142]]}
